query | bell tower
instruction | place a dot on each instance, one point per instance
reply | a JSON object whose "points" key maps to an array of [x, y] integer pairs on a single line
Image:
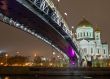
{"points": [[97, 36]]}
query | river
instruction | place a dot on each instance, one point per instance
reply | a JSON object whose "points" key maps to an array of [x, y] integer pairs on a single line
{"points": [[54, 77]]}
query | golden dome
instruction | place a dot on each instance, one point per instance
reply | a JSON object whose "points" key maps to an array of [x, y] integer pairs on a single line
{"points": [[85, 23], [97, 29]]}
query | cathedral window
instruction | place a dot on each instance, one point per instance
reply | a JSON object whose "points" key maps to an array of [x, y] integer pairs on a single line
{"points": [[87, 33], [81, 34], [98, 51], [97, 36], [104, 51], [84, 33], [91, 50], [90, 34], [78, 35], [85, 50]]}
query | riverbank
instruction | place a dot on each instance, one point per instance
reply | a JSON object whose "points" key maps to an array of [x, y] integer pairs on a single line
{"points": [[8, 70]]}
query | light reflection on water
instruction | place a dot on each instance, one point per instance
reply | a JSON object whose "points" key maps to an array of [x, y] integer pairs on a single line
{"points": [[54, 77]]}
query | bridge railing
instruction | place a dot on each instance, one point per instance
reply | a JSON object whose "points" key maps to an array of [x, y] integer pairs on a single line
{"points": [[49, 9]]}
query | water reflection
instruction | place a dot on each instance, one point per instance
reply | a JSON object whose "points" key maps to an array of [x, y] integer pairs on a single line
{"points": [[54, 77]]}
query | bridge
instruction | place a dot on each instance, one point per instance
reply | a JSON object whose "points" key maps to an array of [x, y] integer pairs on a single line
{"points": [[41, 19]]}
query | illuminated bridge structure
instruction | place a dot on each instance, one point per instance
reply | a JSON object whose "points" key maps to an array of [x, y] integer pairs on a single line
{"points": [[41, 19]]}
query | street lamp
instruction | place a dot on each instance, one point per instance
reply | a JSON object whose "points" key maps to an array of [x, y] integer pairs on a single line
{"points": [[6, 55], [35, 55], [58, 0], [57, 5], [44, 59], [17, 53], [72, 31], [75, 34], [53, 53], [109, 56], [58, 56], [65, 14]]}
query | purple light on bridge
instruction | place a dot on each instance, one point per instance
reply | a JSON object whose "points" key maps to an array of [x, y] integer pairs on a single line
{"points": [[71, 52], [72, 62]]}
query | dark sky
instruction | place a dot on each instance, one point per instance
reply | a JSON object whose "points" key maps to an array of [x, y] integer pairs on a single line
{"points": [[14, 40], [95, 11]]}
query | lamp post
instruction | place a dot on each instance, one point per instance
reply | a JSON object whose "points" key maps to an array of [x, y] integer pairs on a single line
{"points": [[6, 55], [109, 56], [72, 31], [17, 53], [58, 0], [72, 27], [54, 53], [57, 4], [58, 56], [35, 55], [65, 15]]}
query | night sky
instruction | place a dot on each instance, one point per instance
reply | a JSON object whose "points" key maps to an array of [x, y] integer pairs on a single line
{"points": [[95, 11]]}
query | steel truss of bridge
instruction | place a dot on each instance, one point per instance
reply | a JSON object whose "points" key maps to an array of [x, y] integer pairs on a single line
{"points": [[40, 17]]}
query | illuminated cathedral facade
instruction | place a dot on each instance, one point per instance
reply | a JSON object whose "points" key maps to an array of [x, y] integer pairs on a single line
{"points": [[89, 41]]}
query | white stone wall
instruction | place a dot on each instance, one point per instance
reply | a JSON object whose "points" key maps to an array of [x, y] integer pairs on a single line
{"points": [[97, 37], [105, 50], [84, 32]]}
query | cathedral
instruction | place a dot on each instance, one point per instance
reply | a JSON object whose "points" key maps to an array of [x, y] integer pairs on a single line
{"points": [[88, 37]]}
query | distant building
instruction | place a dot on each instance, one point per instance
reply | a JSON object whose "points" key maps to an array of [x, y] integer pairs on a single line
{"points": [[89, 41]]}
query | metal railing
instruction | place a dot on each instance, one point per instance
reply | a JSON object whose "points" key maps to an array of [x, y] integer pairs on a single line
{"points": [[49, 9]]}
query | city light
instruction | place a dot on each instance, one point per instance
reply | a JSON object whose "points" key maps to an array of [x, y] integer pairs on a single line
{"points": [[50, 64], [58, 0], [1, 63], [72, 27], [58, 56], [41, 64], [53, 53], [17, 52], [25, 29], [21, 26], [17, 24], [6, 77], [44, 59], [35, 55], [6, 58], [65, 14], [6, 55]]}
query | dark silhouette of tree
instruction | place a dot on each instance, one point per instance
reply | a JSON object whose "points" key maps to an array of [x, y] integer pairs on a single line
{"points": [[3, 58], [19, 60], [37, 60]]}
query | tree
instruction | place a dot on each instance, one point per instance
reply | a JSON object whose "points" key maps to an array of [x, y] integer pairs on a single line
{"points": [[37, 60], [17, 60], [3, 58]]}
